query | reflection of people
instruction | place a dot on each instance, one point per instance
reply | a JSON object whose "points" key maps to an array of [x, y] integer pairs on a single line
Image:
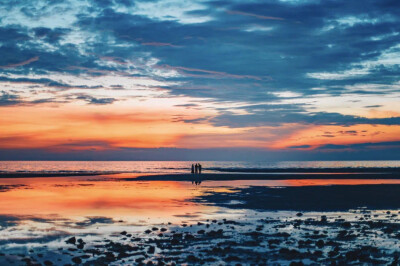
{"points": [[199, 168], [192, 168]]}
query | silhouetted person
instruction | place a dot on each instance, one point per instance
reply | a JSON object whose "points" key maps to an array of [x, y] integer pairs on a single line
{"points": [[192, 168], [196, 168], [199, 168]]}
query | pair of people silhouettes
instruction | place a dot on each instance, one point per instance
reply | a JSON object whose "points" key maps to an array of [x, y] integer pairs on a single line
{"points": [[196, 168]]}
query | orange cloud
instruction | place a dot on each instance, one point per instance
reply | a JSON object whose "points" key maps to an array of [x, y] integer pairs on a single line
{"points": [[73, 127], [315, 136]]}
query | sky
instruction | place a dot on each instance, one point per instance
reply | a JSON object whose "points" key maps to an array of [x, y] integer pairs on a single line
{"points": [[199, 80]]}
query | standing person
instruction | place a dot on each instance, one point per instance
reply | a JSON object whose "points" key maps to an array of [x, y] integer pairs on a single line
{"points": [[199, 168], [192, 168], [196, 168]]}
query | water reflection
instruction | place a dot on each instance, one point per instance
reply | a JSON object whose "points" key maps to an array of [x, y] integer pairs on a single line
{"points": [[39, 214]]}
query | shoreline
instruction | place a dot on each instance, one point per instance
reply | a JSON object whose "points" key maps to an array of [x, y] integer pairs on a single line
{"points": [[259, 176], [283, 175]]}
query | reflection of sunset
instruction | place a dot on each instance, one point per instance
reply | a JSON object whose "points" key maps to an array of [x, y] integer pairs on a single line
{"points": [[99, 198]]}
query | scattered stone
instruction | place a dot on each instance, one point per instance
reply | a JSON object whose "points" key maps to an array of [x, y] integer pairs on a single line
{"points": [[76, 260], [71, 240]]}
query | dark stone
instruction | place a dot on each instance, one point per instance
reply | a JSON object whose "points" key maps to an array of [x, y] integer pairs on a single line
{"points": [[71, 240], [151, 250], [320, 243], [76, 260]]}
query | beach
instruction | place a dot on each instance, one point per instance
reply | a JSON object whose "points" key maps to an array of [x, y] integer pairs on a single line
{"points": [[282, 216]]}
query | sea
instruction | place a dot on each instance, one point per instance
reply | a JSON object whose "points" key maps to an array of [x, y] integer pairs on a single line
{"points": [[171, 167]]}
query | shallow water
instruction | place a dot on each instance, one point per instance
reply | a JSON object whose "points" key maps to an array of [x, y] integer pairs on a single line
{"points": [[37, 215]]}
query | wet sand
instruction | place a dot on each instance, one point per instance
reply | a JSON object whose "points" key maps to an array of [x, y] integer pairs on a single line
{"points": [[307, 198], [268, 176]]}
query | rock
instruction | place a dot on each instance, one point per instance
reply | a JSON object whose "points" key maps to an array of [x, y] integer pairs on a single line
{"points": [[201, 232], [151, 250], [177, 235], [320, 243], [192, 258], [346, 224], [189, 237], [147, 231], [71, 240], [123, 233], [154, 229], [213, 233], [163, 229], [175, 241], [76, 260], [299, 214], [232, 258], [48, 263], [139, 259]]}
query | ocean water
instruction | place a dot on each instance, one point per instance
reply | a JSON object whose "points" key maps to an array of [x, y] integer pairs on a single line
{"points": [[169, 167]]}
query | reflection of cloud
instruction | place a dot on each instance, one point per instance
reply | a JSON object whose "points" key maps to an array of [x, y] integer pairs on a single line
{"points": [[187, 71], [233, 12], [95, 220], [33, 59]]}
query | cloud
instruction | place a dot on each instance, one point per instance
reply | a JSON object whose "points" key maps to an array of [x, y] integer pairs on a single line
{"points": [[92, 100], [246, 64]]}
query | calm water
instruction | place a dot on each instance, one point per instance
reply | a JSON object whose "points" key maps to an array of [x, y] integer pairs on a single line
{"points": [[40, 213], [175, 166]]}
